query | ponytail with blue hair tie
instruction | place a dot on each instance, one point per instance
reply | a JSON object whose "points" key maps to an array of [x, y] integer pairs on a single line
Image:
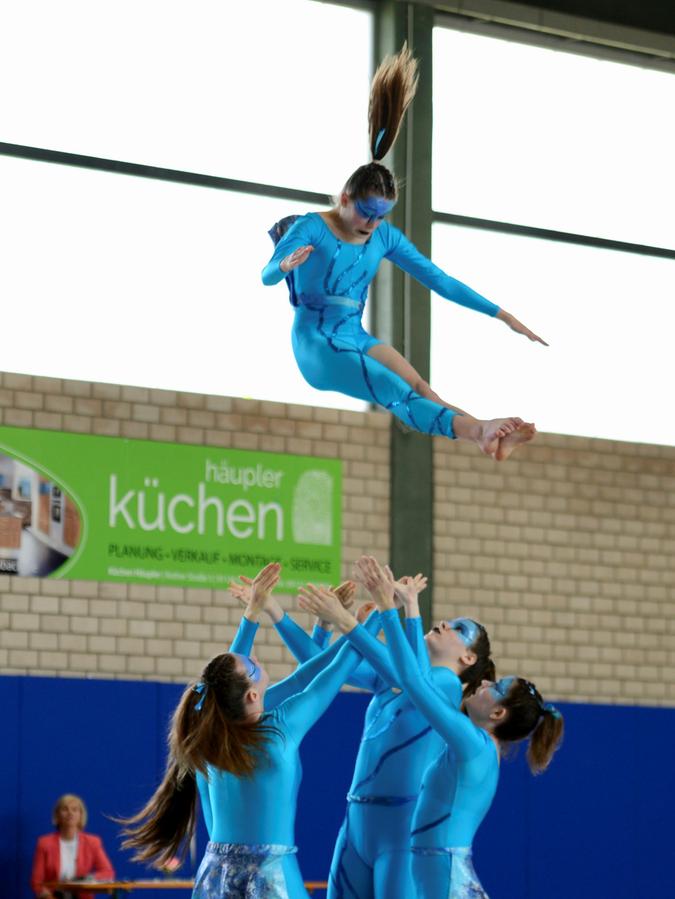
{"points": [[551, 709], [200, 688]]}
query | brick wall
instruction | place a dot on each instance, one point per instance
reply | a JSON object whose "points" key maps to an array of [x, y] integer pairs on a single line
{"points": [[565, 552]]}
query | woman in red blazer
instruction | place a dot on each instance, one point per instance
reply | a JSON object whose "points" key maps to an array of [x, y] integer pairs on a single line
{"points": [[69, 853]]}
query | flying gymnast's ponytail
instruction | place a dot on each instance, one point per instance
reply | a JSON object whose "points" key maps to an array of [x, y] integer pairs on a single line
{"points": [[391, 92]]}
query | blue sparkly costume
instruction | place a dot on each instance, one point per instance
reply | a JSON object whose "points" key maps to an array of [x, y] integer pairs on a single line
{"points": [[457, 789], [372, 857], [329, 293], [251, 820]]}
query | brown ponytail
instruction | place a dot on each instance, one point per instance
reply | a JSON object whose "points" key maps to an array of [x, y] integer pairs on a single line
{"points": [[529, 716], [215, 734], [483, 668], [391, 92]]}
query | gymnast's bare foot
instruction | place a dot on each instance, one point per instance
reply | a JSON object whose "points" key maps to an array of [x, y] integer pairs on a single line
{"points": [[507, 444], [489, 434]]}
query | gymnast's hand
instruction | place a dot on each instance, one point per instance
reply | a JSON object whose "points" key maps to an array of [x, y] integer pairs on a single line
{"points": [[297, 257], [518, 327], [346, 593], [364, 611], [256, 593], [407, 589], [378, 582], [324, 603]]}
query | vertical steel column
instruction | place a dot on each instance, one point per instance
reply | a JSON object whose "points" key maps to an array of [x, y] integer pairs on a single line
{"points": [[402, 307]]}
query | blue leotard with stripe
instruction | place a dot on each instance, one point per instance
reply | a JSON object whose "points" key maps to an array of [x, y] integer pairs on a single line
{"points": [[371, 857], [259, 811], [458, 787], [329, 291]]}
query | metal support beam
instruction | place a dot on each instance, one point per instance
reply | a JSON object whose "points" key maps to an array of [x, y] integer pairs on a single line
{"points": [[402, 306]]}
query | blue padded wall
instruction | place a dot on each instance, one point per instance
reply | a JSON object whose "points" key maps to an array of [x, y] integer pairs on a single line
{"points": [[596, 824]]}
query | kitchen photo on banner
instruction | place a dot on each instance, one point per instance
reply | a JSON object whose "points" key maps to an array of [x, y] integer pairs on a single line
{"points": [[40, 524]]}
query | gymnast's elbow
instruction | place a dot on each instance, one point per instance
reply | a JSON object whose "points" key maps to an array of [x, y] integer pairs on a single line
{"points": [[271, 274]]}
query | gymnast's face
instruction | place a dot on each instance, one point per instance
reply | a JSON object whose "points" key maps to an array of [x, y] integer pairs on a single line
{"points": [[254, 671], [449, 642], [487, 701], [361, 217]]}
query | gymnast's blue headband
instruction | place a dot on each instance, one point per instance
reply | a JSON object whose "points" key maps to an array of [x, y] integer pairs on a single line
{"points": [[374, 207]]}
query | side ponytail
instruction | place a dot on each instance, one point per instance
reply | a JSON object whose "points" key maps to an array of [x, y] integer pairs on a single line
{"points": [[392, 90]]}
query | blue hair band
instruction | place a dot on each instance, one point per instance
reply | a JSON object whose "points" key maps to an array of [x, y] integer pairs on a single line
{"points": [[200, 688], [378, 140], [551, 709]]}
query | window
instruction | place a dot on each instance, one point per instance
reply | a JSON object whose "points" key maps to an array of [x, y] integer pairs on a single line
{"points": [[553, 140], [607, 315]]}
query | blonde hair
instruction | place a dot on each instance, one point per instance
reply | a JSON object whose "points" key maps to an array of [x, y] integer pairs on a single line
{"points": [[62, 800]]}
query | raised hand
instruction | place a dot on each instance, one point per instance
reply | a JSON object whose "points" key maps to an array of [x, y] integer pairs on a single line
{"points": [[256, 593], [519, 327], [364, 611], [346, 593], [407, 589], [296, 258], [242, 591], [325, 604], [378, 582]]}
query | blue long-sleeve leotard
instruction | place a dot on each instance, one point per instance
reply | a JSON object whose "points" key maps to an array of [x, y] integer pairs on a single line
{"points": [[460, 785], [330, 288], [304, 647], [261, 808], [371, 856]]}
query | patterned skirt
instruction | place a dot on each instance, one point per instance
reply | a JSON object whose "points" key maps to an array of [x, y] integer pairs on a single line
{"points": [[240, 871], [460, 881]]}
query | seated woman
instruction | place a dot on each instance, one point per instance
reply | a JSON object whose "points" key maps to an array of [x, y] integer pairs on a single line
{"points": [[69, 853]]}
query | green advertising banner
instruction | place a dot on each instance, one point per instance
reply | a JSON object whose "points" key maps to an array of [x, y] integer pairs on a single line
{"points": [[110, 509]]}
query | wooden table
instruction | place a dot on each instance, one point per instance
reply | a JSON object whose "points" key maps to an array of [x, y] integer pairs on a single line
{"points": [[117, 888]]}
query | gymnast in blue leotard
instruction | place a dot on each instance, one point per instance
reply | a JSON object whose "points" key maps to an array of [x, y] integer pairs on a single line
{"points": [[236, 740], [372, 857], [458, 788], [330, 258]]}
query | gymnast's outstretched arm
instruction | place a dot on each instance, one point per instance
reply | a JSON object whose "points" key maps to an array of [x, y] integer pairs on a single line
{"points": [[300, 643], [406, 256]]}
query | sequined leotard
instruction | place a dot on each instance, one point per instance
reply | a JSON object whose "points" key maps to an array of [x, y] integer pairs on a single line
{"points": [[329, 292]]}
